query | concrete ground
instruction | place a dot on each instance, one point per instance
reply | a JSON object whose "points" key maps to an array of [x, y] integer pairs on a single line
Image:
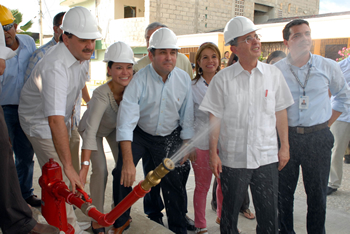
{"points": [[338, 207]]}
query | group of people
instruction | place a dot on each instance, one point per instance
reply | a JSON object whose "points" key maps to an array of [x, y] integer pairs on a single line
{"points": [[150, 109]]}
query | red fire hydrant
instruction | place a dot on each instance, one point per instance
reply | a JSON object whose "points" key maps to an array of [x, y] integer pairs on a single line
{"points": [[55, 193], [53, 206]]}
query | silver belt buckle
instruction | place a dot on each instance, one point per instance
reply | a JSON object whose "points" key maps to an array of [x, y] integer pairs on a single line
{"points": [[300, 130]]}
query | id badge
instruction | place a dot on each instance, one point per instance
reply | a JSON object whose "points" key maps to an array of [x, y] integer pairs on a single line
{"points": [[303, 102]]}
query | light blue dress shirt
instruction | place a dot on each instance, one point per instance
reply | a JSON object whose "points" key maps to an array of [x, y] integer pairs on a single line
{"points": [[324, 74], [37, 55], [13, 78], [345, 67], [156, 107]]}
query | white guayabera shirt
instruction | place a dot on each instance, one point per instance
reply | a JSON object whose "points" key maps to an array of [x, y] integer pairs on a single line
{"points": [[246, 104]]}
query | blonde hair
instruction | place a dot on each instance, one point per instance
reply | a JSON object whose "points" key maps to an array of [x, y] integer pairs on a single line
{"points": [[206, 45]]}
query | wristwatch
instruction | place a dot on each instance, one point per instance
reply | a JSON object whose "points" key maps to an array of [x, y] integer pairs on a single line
{"points": [[86, 163]]}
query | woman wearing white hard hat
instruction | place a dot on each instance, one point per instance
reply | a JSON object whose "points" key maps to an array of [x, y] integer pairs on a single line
{"points": [[100, 121]]}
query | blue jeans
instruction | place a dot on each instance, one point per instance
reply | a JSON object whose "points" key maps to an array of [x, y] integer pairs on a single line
{"points": [[22, 148]]}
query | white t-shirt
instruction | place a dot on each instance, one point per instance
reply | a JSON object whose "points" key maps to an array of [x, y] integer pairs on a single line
{"points": [[201, 118], [246, 104], [52, 89]]}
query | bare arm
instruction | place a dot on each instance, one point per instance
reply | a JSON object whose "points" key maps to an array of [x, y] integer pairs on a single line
{"points": [[85, 94], [85, 156], [334, 117], [215, 162], [282, 129], [61, 142], [128, 170]]}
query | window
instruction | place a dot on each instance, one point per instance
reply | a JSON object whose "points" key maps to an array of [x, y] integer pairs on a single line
{"points": [[129, 11]]}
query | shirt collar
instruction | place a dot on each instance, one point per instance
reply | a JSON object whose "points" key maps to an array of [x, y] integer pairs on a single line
{"points": [[155, 74], [238, 69], [308, 64], [69, 59]]}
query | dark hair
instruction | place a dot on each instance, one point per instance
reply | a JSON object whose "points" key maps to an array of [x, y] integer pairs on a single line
{"points": [[58, 18], [232, 58], [69, 35], [286, 30], [202, 47], [234, 42], [275, 54], [226, 52], [153, 51]]}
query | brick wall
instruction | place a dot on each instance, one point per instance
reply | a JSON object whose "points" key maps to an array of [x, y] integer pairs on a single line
{"points": [[197, 16]]}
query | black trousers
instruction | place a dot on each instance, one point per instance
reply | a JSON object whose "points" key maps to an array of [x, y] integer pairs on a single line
{"points": [[15, 215], [312, 152], [263, 183], [172, 185], [245, 204]]}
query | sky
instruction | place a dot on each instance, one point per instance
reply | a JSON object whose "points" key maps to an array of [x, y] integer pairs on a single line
{"points": [[30, 10]]}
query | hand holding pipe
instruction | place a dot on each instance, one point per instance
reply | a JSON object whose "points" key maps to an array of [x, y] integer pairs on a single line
{"points": [[152, 179]]}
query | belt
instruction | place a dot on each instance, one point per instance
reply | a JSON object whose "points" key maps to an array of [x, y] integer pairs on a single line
{"points": [[305, 130]]}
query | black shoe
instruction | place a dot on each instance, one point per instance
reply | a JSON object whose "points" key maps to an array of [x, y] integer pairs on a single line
{"points": [[331, 190], [33, 201], [157, 220], [347, 159], [190, 224]]}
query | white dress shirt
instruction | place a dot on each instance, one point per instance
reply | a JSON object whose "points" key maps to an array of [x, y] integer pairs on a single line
{"points": [[201, 118], [52, 89], [246, 104]]}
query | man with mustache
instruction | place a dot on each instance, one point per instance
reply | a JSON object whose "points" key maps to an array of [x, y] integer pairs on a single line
{"points": [[246, 103], [15, 215], [74, 139], [309, 78], [12, 82], [154, 119], [49, 95]]}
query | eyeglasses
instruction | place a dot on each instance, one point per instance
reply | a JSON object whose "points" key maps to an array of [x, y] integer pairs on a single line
{"points": [[7, 27], [249, 39]]}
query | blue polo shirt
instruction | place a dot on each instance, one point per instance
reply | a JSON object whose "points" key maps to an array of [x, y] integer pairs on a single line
{"points": [[12, 80]]}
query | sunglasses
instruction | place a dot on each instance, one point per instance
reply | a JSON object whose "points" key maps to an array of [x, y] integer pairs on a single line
{"points": [[7, 27]]}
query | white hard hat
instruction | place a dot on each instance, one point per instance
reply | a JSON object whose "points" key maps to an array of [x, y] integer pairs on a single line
{"points": [[237, 27], [119, 52], [80, 22], [163, 38]]}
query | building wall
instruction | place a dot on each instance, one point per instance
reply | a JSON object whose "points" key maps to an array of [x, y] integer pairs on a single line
{"points": [[197, 16], [119, 7]]}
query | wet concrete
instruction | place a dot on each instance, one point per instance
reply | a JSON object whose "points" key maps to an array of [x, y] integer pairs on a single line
{"points": [[338, 206]]}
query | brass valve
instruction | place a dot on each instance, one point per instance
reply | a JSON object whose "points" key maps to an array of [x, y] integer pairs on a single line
{"points": [[154, 177]]}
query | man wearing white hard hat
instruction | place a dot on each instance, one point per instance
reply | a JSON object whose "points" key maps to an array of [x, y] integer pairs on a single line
{"points": [[246, 102], [154, 119], [152, 202], [49, 95], [15, 215]]}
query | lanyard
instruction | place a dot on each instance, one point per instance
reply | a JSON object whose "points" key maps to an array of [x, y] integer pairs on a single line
{"points": [[306, 79]]}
